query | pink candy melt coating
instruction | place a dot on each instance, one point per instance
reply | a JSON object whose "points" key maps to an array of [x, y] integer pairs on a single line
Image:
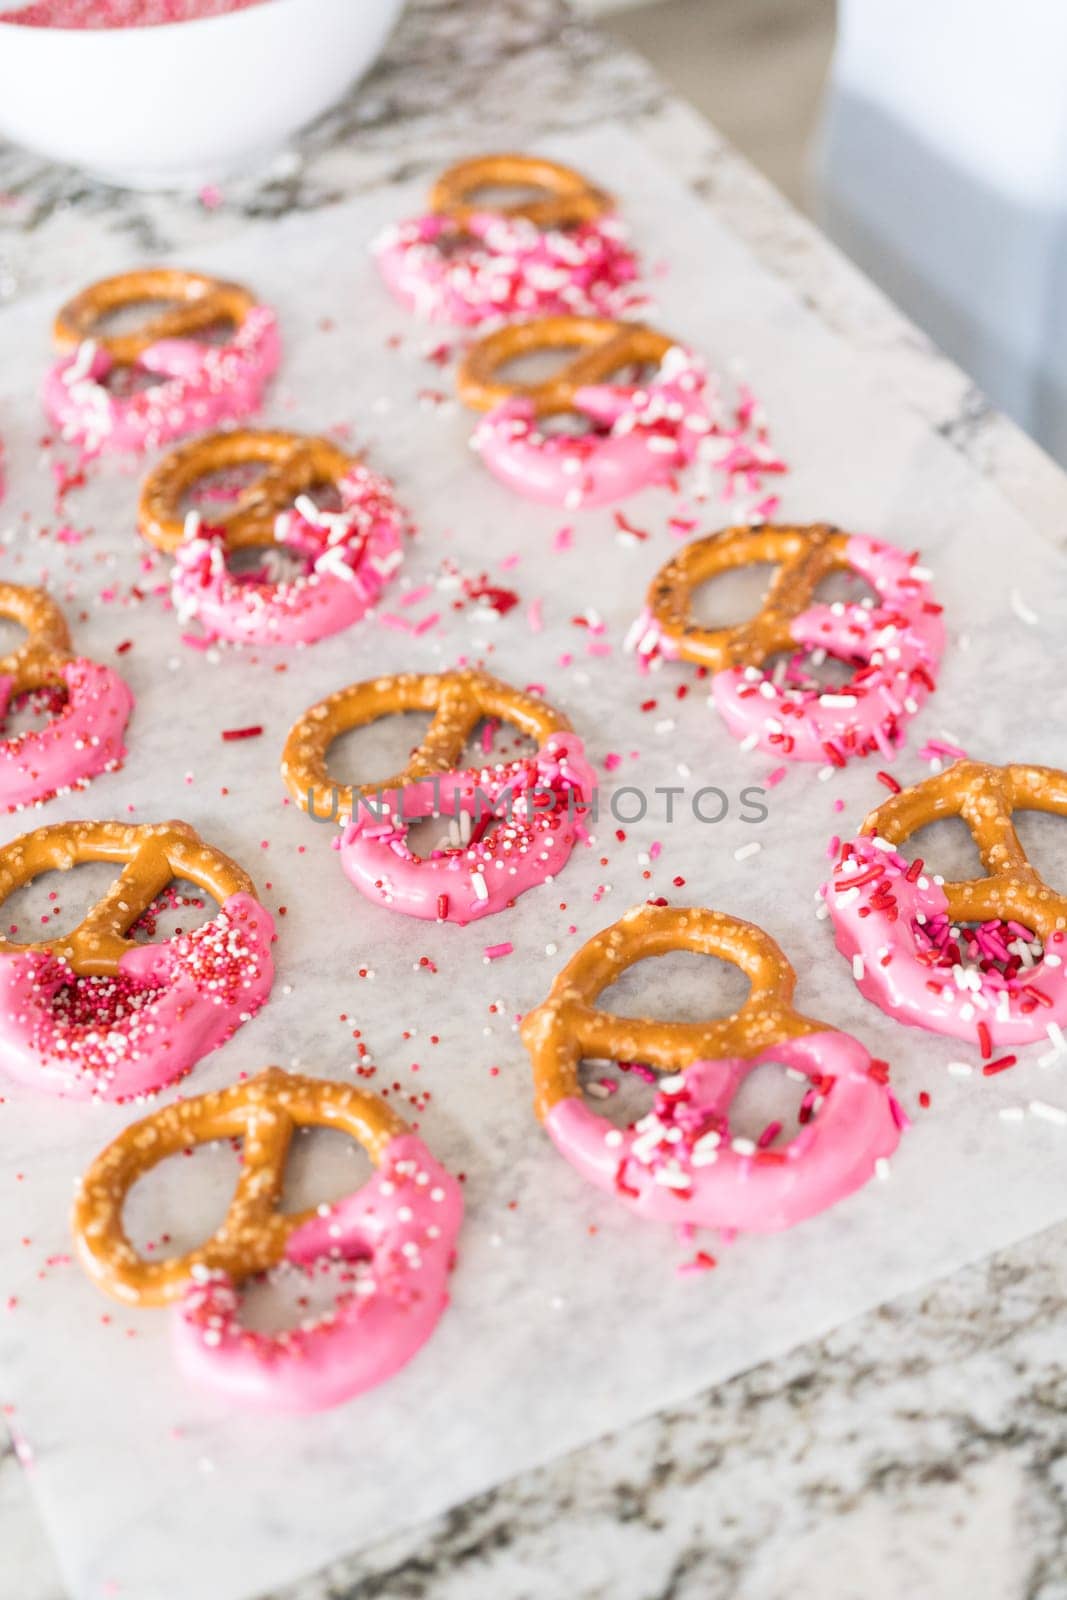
{"points": [[495, 268], [170, 1004], [398, 1232], [647, 432], [898, 640], [83, 740], [351, 554], [923, 993], [202, 386], [119, 13], [467, 881], [700, 1178]]}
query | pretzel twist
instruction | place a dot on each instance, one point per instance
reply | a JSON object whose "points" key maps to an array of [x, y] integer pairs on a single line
{"points": [[41, 656], [569, 197], [567, 1027], [154, 855], [459, 701], [803, 556], [985, 798], [605, 348], [202, 303], [264, 1113], [295, 463]]}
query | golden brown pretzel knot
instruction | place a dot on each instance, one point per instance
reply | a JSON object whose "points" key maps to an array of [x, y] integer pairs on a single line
{"points": [[38, 660], [294, 464], [604, 348], [567, 1027], [263, 1112], [569, 197], [459, 701], [153, 853], [804, 556], [202, 302], [985, 798]]}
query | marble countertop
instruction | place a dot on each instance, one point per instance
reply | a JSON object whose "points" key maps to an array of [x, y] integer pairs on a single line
{"points": [[918, 1450]]}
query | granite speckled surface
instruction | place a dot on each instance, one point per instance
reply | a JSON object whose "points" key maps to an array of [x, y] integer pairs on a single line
{"points": [[918, 1450]]}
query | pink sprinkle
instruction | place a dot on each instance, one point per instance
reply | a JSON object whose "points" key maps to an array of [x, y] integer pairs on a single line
{"points": [[598, 647], [413, 596], [493, 952], [774, 778], [196, 641], [937, 749], [563, 539], [834, 846], [507, 562], [210, 197], [611, 761], [534, 619], [655, 850], [426, 623], [389, 620]]}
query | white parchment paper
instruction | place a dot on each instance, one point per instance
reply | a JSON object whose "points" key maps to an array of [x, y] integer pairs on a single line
{"points": [[569, 1319]]}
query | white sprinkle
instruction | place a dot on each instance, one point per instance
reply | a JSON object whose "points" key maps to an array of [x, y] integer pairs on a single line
{"points": [[858, 967], [1022, 610], [743, 852], [960, 1069], [1047, 1113], [1011, 1113], [881, 1168]]}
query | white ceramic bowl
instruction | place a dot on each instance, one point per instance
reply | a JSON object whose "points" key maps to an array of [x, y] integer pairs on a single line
{"points": [[184, 104]]}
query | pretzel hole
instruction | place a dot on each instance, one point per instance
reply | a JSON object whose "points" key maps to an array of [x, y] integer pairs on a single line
{"points": [[502, 196], [377, 750], [731, 597], [847, 587], [682, 986], [12, 635], [33, 709], [620, 1092], [946, 850], [54, 903], [810, 670], [134, 315], [770, 1107], [182, 1201], [292, 1294], [324, 1165]]}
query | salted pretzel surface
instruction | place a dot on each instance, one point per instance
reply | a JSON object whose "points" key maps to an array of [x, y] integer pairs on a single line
{"points": [[567, 1027], [568, 197], [459, 701], [803, 557], [294, 463], [263, 1112], [195, 302], [985, 798], [605, 348], [39, 659], [153, 855]]}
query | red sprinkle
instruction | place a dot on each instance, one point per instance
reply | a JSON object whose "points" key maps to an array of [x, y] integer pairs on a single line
{"points": [[230, 734], [1001, 1064], [984, 1041], [890, 782]]}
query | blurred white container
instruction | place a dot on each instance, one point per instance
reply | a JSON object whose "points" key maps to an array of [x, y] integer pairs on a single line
{"points": [[184, 104], [943, 171]]}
